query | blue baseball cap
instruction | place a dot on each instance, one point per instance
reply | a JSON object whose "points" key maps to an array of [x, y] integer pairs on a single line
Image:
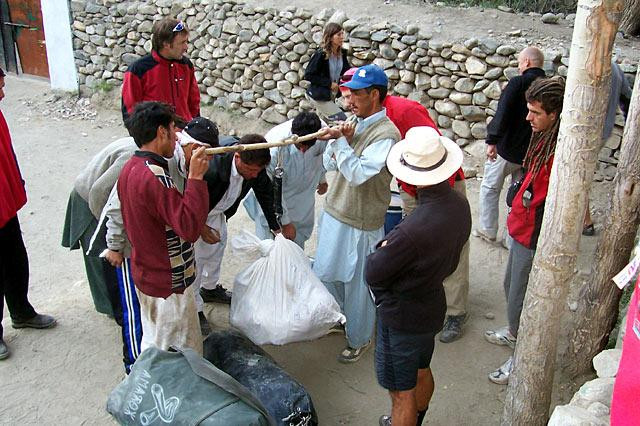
{"points": [[367, 76]]}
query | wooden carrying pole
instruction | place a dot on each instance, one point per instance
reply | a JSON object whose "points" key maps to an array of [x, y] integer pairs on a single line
{"points": [[250, 147]]}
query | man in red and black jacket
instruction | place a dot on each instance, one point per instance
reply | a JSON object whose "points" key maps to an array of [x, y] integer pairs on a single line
{"points": [[164, 75], [508, 136], [544, 102]]}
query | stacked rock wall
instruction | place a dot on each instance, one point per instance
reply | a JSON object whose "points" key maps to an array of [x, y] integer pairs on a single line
{"points": [[252, 59]]}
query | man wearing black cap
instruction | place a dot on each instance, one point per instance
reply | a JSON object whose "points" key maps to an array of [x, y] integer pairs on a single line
{"points": [[229, 179]]}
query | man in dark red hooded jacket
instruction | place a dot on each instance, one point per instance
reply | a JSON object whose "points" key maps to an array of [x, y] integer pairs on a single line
{"points": [[14, 265]]}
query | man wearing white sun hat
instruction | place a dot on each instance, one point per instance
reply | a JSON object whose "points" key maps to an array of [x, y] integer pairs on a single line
{"points": [[406, 271]]}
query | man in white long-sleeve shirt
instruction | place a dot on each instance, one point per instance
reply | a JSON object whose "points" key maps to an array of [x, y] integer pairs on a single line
{"points": [[353, 218], [303, 177]]}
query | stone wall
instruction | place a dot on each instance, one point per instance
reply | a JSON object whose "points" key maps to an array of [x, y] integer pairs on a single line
{"points": [[252, 59]]}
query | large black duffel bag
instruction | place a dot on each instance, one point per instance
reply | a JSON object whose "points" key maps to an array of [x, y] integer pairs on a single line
{"points": [[284, 398]]}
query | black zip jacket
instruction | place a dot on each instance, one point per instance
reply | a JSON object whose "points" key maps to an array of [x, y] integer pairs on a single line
{"points": [[317, 73], [217, 179], [509, 129], [406, 275]]}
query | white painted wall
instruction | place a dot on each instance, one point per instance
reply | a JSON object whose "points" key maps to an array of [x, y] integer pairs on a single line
{"points": [[57, 33]]}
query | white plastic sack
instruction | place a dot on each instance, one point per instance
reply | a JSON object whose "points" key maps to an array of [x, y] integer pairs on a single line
{"points": [[278, 299]]}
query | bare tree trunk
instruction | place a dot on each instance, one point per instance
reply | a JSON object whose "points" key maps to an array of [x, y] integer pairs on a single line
{"points": [[580, 138], [630, 22], [598, 302]]}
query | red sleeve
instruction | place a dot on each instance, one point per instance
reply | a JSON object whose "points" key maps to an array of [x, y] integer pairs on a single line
{"points": [[131, 93], [194, 96], [185, 213]]}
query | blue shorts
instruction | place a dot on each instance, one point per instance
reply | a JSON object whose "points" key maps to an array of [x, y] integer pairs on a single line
{"points": [[399, 355]]}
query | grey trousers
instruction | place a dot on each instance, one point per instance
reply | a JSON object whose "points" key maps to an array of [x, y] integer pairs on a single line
{"points": [[495, 173], [516, 278]]}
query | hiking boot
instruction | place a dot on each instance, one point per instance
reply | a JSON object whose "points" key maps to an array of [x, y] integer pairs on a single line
{"points": [[349, 354], [452, 329], [39, 321], [4, 350], [501, 375], [483, 236], [217, 295], [501, 337], [384, 420], [205, 328]]}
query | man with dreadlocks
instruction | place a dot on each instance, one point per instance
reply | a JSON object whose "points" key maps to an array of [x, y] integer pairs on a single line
{"points": [[544, 102]]}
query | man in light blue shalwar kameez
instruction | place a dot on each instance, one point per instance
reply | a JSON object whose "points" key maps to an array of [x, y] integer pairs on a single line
{"points": [[353, 218], [303, 176]]}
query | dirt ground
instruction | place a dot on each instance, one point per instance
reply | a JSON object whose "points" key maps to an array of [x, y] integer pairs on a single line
{"points": [[64, 375]]}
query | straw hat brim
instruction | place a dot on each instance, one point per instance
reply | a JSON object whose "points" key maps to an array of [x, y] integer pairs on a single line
{"points": [[424, 178]]}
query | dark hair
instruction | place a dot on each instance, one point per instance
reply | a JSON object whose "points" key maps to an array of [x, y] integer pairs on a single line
{"points": [[2, 74], [542, 146], [329, 31], [549, 92], [143, 123], [256, 157], [179, 122], [382, 90], [164, 31], [306, 123]]}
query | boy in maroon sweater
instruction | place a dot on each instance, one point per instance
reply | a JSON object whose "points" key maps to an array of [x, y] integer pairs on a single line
{"points": [[162, 225]]}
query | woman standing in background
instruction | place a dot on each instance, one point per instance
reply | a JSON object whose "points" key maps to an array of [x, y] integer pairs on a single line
{"points": [[324, 70]]}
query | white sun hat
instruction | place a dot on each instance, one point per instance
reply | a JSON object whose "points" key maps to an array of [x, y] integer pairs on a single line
{"points": [[424, 157]]}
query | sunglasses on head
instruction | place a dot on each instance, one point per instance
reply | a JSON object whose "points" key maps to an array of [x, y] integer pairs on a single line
{"points": [[179, 27], [346, 78]]}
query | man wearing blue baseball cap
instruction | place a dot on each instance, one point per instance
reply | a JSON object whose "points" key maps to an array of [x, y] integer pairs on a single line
{"points": [[353, 218]]}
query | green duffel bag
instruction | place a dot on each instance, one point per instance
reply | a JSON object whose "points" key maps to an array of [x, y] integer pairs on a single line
{"points": [[179, 387]]}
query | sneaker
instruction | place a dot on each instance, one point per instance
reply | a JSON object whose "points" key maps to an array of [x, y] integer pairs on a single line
{"points": [[349, 355], [483, 235], [384, 420], [205, 328], [501, 375], [501, 337], [4, 350], [39, 321], [452, 329], [337, 329], [217, 295]]}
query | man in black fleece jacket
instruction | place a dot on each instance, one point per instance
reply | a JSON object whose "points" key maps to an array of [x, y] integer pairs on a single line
{"points": [[406, 271], [507, 141]]}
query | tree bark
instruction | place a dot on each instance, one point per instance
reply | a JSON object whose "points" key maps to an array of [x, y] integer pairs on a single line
{"points": [[579, 141], [598, 302], [630, 22]]}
